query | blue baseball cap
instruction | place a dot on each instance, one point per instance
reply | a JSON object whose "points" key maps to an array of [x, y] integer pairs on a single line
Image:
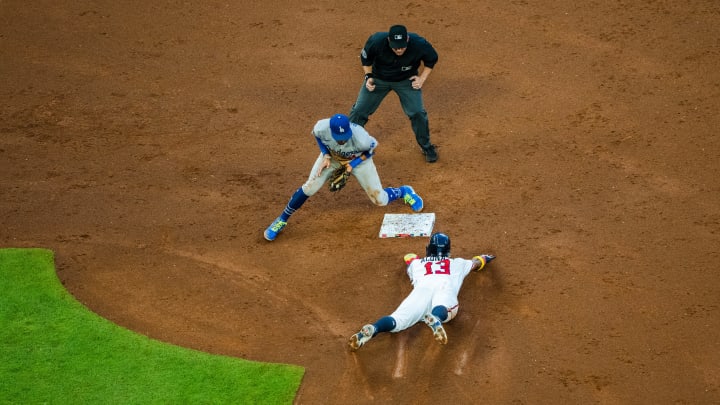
{"points": [[340, 127]]}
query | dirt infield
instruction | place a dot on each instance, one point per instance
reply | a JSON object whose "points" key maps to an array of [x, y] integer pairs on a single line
{"points": [[150, 143]]}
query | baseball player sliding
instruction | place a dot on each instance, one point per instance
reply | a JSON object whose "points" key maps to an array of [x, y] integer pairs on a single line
{"points": [[349, 148], [436, 280]]}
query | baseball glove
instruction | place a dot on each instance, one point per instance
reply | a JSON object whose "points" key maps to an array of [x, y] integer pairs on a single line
{"points": [[338, 179]]}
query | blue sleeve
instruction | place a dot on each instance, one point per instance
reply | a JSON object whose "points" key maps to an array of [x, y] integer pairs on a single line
{"points": [[360, 159], [322, 146]]}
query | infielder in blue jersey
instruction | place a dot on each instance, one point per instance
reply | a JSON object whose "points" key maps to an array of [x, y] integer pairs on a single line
{"points": [[347, 145]]}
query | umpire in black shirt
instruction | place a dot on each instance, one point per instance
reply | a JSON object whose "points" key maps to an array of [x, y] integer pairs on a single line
{"points": [[391, 61]]}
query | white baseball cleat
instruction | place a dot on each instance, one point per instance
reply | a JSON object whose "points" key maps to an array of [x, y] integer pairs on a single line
{"points": [[438, 331], [360, 338]]}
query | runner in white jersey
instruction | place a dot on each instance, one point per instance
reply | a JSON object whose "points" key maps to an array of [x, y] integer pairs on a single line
{"points": [[436, 281]]}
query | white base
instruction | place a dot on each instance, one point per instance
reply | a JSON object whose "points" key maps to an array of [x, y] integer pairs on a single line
{"points": [[407, 225]]}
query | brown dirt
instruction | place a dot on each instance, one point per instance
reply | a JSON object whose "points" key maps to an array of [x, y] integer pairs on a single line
{"points": [[150, 143]]}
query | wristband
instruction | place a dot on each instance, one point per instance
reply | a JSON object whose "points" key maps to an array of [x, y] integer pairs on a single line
{"points": [[369, 76], [365, 156], [482, 262]]}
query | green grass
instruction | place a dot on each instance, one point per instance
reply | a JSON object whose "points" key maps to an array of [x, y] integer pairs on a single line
{"points": [[54, 350]]}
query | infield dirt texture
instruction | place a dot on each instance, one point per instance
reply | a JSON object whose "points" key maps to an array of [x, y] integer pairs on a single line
{"points": [[148, 144]]}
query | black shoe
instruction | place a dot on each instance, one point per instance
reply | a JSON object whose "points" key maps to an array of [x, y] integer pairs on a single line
{"points": [[430, 154]]}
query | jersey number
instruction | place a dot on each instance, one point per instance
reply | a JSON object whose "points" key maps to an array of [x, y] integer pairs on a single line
{"points": [[439, 267]]}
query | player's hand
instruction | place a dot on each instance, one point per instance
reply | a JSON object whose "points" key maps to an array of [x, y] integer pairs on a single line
{"points": [[417, 82], [325, 164], [480, 261], [370, 84]]}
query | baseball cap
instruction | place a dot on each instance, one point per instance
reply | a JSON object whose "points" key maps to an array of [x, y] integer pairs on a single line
{"points": [[340, 127], [398, 36]]}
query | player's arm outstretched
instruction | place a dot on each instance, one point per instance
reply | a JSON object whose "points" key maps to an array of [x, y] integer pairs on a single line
{"points": [[480, 261]]}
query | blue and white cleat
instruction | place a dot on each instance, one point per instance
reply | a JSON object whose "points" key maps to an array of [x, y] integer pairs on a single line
{"points": [[357, 340], [438, 331], [274, 229], [411, 198]]}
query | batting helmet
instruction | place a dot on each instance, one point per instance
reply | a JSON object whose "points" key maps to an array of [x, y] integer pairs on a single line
{"points": [[439, 245]]}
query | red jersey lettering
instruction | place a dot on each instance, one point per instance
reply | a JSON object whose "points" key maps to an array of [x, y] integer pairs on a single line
{"points": [[439, 267]]}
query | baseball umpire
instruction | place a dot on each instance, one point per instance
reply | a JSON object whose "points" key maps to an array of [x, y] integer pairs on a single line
{"points": [[436, 280], [391, 61]]}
